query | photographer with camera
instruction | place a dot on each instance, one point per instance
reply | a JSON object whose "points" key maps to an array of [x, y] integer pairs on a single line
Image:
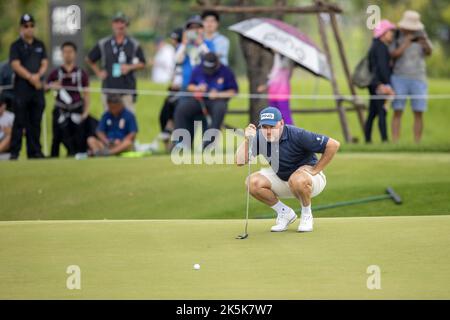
{"points": [[410, 47], [191, 49]]}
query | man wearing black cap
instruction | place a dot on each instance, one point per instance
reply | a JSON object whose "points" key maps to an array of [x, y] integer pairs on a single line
{"points": [[294, 172], [120, 56], [212, 85], [28, 59]]}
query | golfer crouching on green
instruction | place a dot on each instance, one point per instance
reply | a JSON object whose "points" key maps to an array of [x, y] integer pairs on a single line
{"points": [[294, 168]]}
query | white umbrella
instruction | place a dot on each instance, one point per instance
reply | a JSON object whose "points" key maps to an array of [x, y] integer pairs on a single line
{"points": [[286, 40]]}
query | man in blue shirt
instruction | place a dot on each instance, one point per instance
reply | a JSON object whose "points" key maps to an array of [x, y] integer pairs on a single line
{"points": [[212, 85], [116, 130], [295, 169]]}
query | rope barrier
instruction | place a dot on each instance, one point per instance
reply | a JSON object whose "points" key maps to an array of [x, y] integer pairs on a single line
{"points": [[255, 95]]}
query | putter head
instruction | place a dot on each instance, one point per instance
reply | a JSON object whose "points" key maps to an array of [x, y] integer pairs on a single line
{"points": [[394, 196], [242, 236]]}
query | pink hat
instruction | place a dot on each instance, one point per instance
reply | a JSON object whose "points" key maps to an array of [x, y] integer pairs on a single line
{"points": [[382, 28]]}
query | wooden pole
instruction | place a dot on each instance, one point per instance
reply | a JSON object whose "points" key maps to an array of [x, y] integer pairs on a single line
{"points": [[341, 110], [359, 106], [312, 9], [303, 110]]}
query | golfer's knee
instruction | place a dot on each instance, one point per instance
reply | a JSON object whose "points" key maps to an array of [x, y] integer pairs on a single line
{"points": [[301, 182], [254, 183]]}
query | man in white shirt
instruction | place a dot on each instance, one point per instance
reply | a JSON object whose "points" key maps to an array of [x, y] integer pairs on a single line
{"points": [[163, 62]]}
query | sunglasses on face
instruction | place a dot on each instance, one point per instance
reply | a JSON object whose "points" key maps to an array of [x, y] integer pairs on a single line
{"points": [[28, 26]]}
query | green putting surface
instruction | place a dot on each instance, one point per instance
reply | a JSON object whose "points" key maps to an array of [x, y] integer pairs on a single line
{"points": [[154, 259]]}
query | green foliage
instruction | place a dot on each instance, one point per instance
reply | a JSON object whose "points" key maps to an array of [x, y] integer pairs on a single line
{"points": [[438, 62], [158, 17]]}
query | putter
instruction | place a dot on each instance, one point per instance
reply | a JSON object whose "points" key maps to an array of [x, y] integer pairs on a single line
{"points": [[245, 234]]}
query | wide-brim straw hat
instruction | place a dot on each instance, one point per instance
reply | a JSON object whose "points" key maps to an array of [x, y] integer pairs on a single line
{"points": [[411, 21]]}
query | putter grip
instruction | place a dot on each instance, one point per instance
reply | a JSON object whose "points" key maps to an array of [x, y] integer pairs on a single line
{"points": [[251, 140]]}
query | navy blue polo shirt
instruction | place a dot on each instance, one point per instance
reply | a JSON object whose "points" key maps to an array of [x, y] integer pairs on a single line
{"points": [[221, 80], [297, 147], [117, 127]]}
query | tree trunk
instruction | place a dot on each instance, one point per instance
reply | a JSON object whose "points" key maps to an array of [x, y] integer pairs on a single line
{"points": [[259, 61]]}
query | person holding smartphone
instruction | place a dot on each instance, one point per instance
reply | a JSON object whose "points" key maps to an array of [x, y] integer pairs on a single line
{"points": [[409, 49]]}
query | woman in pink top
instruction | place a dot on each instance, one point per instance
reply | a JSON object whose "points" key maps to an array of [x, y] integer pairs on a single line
{"points": [[279, 85]]}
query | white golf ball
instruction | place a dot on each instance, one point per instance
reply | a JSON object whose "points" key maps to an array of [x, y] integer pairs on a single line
{"points": [[196, 266]]}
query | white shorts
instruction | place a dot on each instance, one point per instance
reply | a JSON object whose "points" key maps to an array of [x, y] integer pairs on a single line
{"points": [[281, 188]]}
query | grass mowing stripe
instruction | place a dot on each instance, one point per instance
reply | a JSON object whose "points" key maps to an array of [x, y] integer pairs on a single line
{"points": [[154, 188]]}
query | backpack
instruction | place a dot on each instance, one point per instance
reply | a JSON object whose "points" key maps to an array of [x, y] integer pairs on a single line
{"points": [[362, 76]]}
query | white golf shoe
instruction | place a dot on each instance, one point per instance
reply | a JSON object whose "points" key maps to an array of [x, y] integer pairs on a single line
{"points": [[306, 223], [283, 221]]}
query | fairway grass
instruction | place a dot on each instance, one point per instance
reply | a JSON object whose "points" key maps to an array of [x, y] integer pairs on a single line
{"points": [[155, 188], [154, 259]]}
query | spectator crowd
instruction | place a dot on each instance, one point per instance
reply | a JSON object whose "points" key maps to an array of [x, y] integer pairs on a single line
{"points": [[397, 64], [200, 85], [196, 62]]}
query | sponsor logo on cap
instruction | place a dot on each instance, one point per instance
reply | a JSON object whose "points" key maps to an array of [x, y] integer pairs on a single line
{"points": [[270, 116], [26, 17]]}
